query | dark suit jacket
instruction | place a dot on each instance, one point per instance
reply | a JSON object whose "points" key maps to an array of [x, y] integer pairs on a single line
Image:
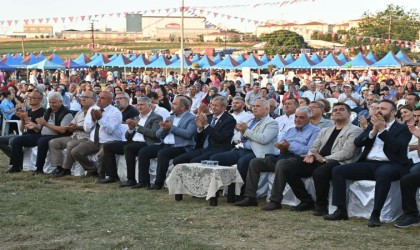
{"points": [[148, 130], [220, 135], [395, 140]]}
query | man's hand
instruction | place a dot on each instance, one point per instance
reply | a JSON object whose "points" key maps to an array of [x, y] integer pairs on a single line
{"points": [[31, 125], [166, 125], [283, 146], [414, 130], [241, 127], [131, 123], [309, 159], [71, 127], [378, 122], [41, 121], [22, 114], [96, 115]]}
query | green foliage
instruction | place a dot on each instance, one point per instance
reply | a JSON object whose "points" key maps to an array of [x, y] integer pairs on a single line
{"points": [[234, 39], [282, 41], [325, 37], [394, 22]]}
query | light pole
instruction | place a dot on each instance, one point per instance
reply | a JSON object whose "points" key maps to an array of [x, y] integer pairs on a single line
{"points": [[182, 37], [92, 30]]}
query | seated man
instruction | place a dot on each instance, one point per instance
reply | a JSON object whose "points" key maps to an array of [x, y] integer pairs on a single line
{"points": [[122, 102], [103, 122], [240, 115], [214, 133], [141, 132], [294, 143], [27, 119], [51, 125], [332, 147], [384, 159], [258, 136], [177, 137], [64, 164], [317, 108], [409, 185]]}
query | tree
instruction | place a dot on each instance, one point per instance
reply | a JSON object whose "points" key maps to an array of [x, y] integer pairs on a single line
{"points": [[282, 42], [392, 23]]}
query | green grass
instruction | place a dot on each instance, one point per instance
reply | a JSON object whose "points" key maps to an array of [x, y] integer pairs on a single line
{"points": [[43, 212], [49, 45]]}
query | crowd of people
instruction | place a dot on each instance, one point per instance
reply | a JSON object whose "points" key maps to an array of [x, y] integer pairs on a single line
{"points": [[334, 127]]}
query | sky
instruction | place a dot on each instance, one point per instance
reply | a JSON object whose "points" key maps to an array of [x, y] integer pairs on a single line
{"points": [[329, 11]]}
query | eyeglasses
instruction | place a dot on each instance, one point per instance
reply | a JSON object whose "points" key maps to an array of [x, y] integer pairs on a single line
{"points": [[84, 97], [339, 109], [374, 108], [31, 97]]}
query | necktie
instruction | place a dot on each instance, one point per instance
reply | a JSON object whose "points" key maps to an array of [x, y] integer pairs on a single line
{"points": [[97, 128], [206, 141]]}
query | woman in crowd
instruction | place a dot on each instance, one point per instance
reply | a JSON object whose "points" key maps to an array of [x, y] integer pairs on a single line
{"points": [[163, 97], [9, 109]]}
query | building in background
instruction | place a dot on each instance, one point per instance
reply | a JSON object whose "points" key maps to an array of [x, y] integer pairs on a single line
{"points": [[35, 31]]}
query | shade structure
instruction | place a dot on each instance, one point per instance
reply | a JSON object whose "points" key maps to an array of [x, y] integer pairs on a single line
{"points": [[55, 58], [119, 61], [45, 64], [70, 64], [303, 62], [240, 59], [133, 57], [195, 58], [41, 57], [140, 62], [330, 62], [277, 61], [153, 57], [218, 58], [82, 59], [252, 62], [161, 62], [343, 58], [359, 61], [289, 59], [390, 60], [177, 64], [371, 57], [12, 61], [205, 62], [94, 56], [99, 61], [19, 57], [174, 58], [316, 58], [31, 59], [264, 58], [6, 67], [227, 63], [405, 59], [113, 56]]}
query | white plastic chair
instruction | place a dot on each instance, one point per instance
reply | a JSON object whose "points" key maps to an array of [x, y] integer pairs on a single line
{"points": [[6, 124], [331, 101]]}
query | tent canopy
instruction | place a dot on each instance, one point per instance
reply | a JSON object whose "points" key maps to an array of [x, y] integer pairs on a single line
{"points": [[343, 58], [390, 60], [161, 62], [99, 61], [277, 61], [205, 62], [316, 58], [119, 61], [82, 59], [45, 64], [303, 62], [252, 62], [227, 63], [359, 61], [55, 58], [70, 64], [140, 62], [177, 64], [330, 62], [289, 58], [371, 57]]}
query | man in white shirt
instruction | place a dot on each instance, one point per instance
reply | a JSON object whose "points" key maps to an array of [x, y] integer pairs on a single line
{"points": [[103, 122], [240, 115], [351, 98], [313, 94], [252, 96], [287, 120], [141, 132], [196, 99]]}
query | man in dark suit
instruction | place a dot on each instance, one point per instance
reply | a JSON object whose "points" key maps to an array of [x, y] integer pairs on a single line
{"points": [[214, 133], [141, 132], [384, 159], [177, 137]]}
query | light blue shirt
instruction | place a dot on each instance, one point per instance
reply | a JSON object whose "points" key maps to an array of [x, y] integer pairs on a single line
{"points": [[7, 105], [301, 140]]}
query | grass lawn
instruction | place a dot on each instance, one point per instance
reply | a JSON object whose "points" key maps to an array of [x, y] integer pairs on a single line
{"points": [[43, 212]]}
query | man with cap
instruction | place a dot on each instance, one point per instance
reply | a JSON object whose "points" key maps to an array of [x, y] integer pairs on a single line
{"points": [[351, 98]]}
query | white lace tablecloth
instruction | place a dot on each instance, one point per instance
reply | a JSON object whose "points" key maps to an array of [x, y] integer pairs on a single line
{"points": [[202, 180]]}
